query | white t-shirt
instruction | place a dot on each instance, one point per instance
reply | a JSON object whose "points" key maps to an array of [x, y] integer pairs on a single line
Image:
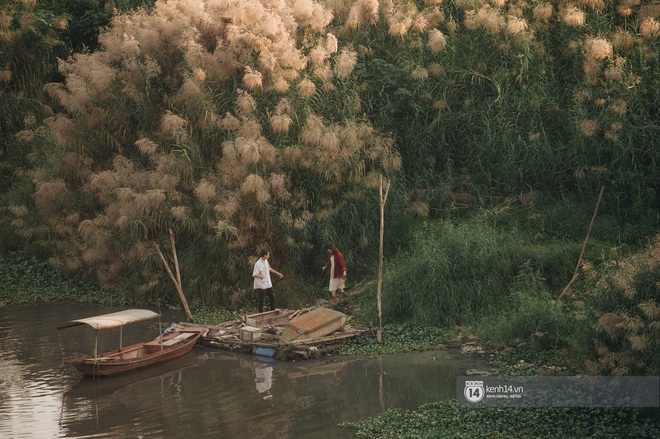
{"points": [[262, 267]]}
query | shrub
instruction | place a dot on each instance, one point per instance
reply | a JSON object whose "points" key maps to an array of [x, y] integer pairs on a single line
{"points": [[531, 313], [625, 297]]}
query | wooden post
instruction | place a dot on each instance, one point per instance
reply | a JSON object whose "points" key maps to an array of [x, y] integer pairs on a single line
{"points": [[383, 200], [177, 279], [584, 246]]}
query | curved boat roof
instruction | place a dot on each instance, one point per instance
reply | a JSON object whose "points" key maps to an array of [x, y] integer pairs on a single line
{"points": [[113, 320]]}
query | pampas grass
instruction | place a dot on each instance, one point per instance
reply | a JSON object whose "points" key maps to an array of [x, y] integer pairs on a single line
{"points": [[573, 16], [306, 88], [650, 28], [437, 40], [230, 122]]}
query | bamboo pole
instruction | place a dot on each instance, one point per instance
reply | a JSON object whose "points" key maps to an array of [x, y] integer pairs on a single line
{"points": [[383, 200], [177, 279], [584, 246]]}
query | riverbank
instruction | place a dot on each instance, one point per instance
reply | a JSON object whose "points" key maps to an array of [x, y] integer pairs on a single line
{"points": [[28, 281]]}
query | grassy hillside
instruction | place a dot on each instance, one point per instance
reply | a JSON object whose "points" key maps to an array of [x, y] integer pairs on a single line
{"points": [[239, 125]]}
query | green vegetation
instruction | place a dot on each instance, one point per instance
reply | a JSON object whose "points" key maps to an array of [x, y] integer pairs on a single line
{"points": [[27, 280], [241, 125], [272, 128], [448, 419], [399, 338]]}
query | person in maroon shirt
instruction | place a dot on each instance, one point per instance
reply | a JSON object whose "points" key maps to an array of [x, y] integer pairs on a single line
{"points": [[337, 267]]}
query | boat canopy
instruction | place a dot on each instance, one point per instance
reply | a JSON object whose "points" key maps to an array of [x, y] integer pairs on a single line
{"points": [[113, 320]]}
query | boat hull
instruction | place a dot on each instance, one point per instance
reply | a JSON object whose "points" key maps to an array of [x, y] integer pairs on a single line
{"points": [[137, 356]]}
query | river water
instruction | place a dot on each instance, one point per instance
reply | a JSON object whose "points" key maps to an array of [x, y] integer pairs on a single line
{"points": [[208, 393]]}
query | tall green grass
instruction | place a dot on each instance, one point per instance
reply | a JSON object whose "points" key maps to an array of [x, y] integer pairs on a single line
{"points": [[462, 272], [530, 313], [455, 274]]}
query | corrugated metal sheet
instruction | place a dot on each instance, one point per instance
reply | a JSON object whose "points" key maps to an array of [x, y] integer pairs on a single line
{"points": [[317, 323], [113, 320]]}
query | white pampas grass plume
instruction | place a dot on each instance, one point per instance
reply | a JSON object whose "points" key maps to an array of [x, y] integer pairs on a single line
{"points": [[420, 23], [254, 184], [435, 16], [248, 150], [598, 48], [331, 44], [619, 107], [306, 88], [622, 39], [205, 191], [5, 75], [419, 74], [245, 103], [25, 135], [437, 41], [310, 15], [573, 16], [649, 28], [171, 123], [311, 132], [318, 55], [229, 122], [189, 93], [516, 26], [543, 12], [146, 146], [280, 123], [345, 64], [252, 79], [280, 85], [589, 127]]}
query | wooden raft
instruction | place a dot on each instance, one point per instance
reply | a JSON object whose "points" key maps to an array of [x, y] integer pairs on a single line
{"points": [[264, 330]]}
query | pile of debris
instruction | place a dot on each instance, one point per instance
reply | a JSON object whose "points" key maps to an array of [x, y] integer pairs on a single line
{"points": [[287, 334]]}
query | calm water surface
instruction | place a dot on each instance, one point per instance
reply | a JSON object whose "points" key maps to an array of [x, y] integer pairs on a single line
{"points": [[207, 393]]}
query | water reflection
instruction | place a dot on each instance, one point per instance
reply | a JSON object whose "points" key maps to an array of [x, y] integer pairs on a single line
{"points": [[263, 378], [207, 393]]}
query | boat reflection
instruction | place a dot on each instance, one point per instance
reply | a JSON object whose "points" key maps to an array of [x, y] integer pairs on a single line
{"points": [[93, 387]]}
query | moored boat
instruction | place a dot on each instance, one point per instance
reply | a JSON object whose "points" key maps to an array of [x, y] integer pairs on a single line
{"points": [[166, 347]]}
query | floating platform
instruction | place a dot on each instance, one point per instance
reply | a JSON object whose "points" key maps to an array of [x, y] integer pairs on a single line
{"points": [[283, 333]]}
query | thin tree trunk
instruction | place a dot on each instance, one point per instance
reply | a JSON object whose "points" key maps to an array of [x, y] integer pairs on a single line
{"points": [[584, 246], [383, 200], [177, 279]]}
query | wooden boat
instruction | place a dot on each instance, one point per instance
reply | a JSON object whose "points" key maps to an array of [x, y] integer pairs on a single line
{"points": [[91, 387], [316, 323], [166, 347]]}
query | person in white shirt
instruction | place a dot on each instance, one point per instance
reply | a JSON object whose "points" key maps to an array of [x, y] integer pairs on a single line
{"points": [[262, 282]]}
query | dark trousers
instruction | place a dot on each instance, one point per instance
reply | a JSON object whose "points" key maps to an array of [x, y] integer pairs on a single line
{"points": [[260, 298]]}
